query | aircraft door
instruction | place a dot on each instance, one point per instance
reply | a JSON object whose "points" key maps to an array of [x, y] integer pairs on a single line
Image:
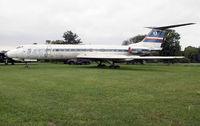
{"points": [[48, 52], [29, 52]]}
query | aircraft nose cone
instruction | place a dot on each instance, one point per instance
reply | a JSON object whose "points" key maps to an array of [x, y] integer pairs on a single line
{"points": [[10, 54], [7, 54]]}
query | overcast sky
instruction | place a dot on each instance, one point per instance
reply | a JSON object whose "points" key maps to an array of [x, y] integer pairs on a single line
{"points": [[95, 21]]}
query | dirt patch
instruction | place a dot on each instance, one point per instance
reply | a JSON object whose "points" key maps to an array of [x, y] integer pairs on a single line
{"points": [[51, 124]]}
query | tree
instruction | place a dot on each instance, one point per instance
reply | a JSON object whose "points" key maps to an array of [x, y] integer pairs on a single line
{"points": [[48, 41], [57, 42], [54, 42], [198, 54], [171, 45], [71, 38], [125, 42], [134, 39], [192, 53]]}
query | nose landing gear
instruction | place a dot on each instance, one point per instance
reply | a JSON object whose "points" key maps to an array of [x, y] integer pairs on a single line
{"points": [[26, 65], [6, 61], [113, 66]]}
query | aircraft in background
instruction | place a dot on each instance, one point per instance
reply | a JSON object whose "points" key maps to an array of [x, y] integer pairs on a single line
{"points": [[99, 53]]}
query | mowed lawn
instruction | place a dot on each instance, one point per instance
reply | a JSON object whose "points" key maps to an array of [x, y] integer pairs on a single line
{"points": [[61, 95]]}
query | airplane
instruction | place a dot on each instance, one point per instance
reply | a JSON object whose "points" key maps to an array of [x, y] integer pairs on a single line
{"points": [[99, 53]]}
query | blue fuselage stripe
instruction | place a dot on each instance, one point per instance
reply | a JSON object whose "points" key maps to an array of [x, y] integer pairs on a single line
{"points": [[153, 41]]}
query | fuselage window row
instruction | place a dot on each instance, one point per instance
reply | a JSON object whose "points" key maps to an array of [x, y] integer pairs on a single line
{"points": [[79, 50], [89, 50]]}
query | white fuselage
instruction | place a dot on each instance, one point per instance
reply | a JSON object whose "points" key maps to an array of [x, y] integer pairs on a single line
{"points": [[65, 51]]}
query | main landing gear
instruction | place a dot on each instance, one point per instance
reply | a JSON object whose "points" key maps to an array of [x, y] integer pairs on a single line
{"points": [[112, 66], [100, 65]]}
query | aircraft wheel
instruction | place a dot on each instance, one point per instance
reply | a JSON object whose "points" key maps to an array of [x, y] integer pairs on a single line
{"points": [[6, 61], [71, 63], [101, 65], [117, 67], [111, 66]]}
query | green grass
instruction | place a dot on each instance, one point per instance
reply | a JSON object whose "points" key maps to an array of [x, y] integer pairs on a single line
{"points": [[60, 95]]}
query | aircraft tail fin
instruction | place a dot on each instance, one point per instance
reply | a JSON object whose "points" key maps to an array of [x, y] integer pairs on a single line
{"points": [[155, 37]]}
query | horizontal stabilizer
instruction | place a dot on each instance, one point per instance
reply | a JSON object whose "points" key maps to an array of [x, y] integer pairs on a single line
{"points": [[170, 26]]}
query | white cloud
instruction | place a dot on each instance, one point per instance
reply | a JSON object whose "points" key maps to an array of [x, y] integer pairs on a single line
{"points": [[96, 22]]}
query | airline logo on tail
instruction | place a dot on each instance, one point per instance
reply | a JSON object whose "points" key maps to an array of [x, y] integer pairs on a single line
{"points": [[157, 33], [155, 36]]}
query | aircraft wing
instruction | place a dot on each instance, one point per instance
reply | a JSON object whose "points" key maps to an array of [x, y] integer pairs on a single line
{"points": [[124, 57]]}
